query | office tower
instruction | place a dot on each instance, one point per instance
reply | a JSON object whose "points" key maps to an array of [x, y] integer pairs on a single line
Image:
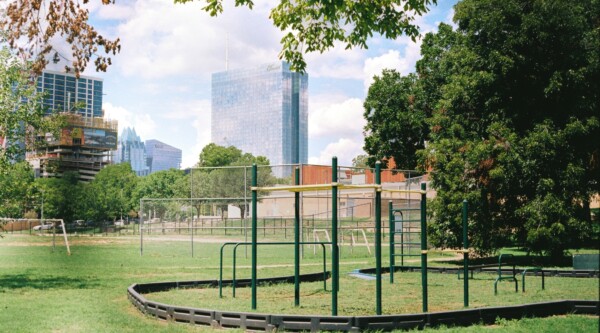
{"points": [[85, 143], [132, 150], [67, 93], [262, 111], [161, 156]]}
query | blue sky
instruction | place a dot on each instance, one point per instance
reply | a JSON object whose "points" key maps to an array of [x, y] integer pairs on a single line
{"points": [[160, 81]]}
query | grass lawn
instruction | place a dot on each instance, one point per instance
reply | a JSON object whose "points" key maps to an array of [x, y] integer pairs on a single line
{"points": [[42, 290]]}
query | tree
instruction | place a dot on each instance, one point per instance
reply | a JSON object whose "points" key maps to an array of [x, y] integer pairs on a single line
{"points": [[61, 196], [395, 124], [33, 25], [213, 155], [511, 100], [111, 192], [309, 26], [21, 111], [159, 185], [360, 161], [17, 191], [230, 182]]}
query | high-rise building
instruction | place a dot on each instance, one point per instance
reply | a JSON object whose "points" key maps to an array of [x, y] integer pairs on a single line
{"points": [[161, 156], [85, 143], [132, 150], [262, 111], [67, 93]]}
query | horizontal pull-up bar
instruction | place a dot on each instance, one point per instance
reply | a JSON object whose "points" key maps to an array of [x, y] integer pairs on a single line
{"points": [[317, 187]]}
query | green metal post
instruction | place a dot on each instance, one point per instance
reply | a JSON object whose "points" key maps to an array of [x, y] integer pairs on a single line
{"points": [[465, 253], [335, 263], [221, 273], [378, 238], [424, 245], [297, 241], [254, 222], [392, 245]]}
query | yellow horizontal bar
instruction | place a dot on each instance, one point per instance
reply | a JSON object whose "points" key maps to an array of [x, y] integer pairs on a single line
{"points": [[423, 251], [406, 191], [296, 188], [316, 187]]}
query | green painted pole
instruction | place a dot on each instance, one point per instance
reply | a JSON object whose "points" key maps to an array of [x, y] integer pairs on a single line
{"points": [[335, 263], [424, 245], [378, 238], [297, 241], [392, 226], [465, 210], [254, 222]]}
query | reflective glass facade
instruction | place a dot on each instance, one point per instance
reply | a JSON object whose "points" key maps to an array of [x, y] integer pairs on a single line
{"points": [[161, 156], [64, 91], [262, 111], [131, 149]]}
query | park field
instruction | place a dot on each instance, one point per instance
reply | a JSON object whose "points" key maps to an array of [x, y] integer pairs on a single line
{"points": [[42, 289]]}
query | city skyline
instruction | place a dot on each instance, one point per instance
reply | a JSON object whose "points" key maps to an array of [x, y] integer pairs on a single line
{"points": [[131, 149], [160, 81]]}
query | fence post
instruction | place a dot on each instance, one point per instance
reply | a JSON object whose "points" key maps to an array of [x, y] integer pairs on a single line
{"points": [[392, 223], [297, 240], [378, 238], [334, 238], [465, 253], [254, 246], [424, 244]]}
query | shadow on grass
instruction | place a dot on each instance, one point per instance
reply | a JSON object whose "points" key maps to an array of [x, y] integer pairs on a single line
{"points": [[18, 281]]}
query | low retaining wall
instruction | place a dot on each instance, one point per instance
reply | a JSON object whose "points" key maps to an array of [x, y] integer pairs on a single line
{"points": [[274, 322]]}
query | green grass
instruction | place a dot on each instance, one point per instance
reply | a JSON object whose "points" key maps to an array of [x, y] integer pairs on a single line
{"points": [[42, 290], [357, 296], [557, 324]]}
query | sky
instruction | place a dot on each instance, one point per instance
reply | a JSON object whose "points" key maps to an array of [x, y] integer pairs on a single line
{"points": [[160, 82]]}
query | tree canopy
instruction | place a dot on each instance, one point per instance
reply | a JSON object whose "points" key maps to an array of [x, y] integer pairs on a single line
{"points": [[308, 26], [21, 111], [232, 182], [510, 99]]}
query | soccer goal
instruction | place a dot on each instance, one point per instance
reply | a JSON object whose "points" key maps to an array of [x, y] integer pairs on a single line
{"points": [[40, 226]]}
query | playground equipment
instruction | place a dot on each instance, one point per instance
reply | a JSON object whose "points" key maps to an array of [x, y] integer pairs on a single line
{"points": [[237, 244], [335, 187]]}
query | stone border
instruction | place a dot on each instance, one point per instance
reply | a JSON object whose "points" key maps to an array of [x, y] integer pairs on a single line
{"points": [[275, 322]]}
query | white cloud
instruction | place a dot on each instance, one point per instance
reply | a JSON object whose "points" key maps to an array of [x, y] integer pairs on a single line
{"points": [[337, 118], [390, 60], [144, 124], [162, 39], [115, 11], [337, 63], [198, 115], [345, 150]]}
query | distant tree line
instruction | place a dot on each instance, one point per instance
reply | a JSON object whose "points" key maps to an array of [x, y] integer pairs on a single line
{"points": [[116, 190]]}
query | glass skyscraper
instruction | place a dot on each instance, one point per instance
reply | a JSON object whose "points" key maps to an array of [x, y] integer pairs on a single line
{"points": [[161, 156], [262, 111], [131, 149], [65, 92]]}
